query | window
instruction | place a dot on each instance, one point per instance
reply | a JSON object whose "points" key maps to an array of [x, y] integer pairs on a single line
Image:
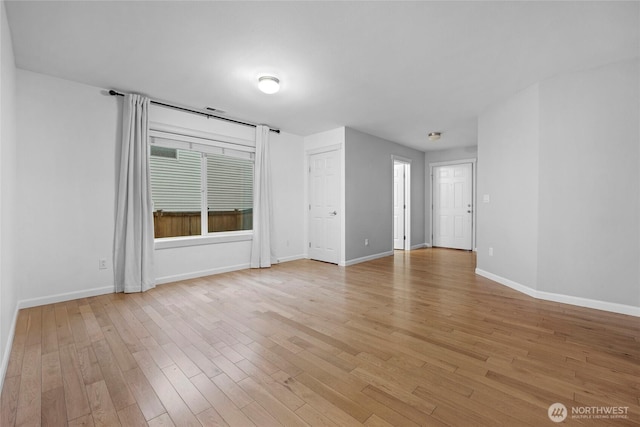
{"points": [[199, 188]]}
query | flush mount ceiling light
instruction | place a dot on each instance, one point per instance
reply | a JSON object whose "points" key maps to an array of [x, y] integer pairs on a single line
{"points": [[269, 84], [434, 136]]}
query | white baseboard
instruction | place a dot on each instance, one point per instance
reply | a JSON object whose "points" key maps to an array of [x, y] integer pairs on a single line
{"points": [[367, 258], [201, 273], [67, 296], [420, 246], [8, 347], [291, 258], [565, 299]]}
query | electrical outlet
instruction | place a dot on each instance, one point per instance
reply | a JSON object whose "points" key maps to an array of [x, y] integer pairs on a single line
{"points": [[102, 263], [490, 251], [366, 242]]}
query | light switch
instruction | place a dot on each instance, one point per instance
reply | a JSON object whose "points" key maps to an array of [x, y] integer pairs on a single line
{"points": [[486, 198]]}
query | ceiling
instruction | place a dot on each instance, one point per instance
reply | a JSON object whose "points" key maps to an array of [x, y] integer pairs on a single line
{"points": [[397, 70]]}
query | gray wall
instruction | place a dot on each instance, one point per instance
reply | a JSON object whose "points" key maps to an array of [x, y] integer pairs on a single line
{"points": [[369, 193], [589, 184], [508, 173], [452, 154], [561, 164]]}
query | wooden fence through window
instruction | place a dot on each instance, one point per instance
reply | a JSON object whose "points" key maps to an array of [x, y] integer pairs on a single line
{"points": [[173, 224]]}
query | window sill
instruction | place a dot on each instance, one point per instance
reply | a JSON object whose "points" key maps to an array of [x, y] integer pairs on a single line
{"points": [[211, 239]]}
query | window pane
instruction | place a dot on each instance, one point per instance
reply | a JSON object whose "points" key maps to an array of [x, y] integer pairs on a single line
{"points": [[229, 193], [176, 192]]}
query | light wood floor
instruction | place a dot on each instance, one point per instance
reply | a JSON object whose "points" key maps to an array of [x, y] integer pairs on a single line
{"points": [[415, 339]]}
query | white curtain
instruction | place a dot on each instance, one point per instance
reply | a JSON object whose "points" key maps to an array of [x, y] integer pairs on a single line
{"points": [[261, 244], [133, 252]]}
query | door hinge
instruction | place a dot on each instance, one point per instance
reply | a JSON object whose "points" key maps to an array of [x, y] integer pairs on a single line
{"points": [[404, 237], [309, 207], [309, 244]]}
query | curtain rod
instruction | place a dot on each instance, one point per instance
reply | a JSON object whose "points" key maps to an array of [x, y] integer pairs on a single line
{"points": [[189, 110]]}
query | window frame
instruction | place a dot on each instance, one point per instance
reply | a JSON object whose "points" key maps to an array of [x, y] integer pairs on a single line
{"points": [[203, 143]]}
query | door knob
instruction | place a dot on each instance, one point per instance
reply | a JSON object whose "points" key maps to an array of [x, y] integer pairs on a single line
{"points": [[333, 213]]}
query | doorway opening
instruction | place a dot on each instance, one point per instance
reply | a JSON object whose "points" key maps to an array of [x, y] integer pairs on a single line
{"points": [[401, 204]]}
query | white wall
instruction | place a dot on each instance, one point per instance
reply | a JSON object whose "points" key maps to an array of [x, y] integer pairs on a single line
{"points": [[8, 146], [508, 174], [369, 194], [589, 216], [561, 163], [452, 154], [66, 187], [287, 156], [67, 165], [440, 156]]}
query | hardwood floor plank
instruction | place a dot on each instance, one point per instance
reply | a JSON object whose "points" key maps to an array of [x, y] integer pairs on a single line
{"points": [[30, 394], [335, 397], [277, 390], [119, 348], [163, 420], [49, 338], [178, 357], [51, 371], [189, 393], [220, 402], [272, 405], [83, 421], [318, 402], [145, 397], [414, 413], [113, 376], [75, 394], [231, 389], [131, 416], [89, 366], [78, 328], [34, 327], [259, 415], [211, 418], [171, 400], [102, 409], [54, 411], [158, 354], [9, 400], [94, 330], [313, 417], [14, 367], [63, 329]]}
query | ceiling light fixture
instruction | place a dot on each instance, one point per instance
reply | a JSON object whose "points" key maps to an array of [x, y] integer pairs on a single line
{"points": [[434, 136], [269, 84]]}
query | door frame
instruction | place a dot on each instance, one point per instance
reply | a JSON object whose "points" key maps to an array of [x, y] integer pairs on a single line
{"points": [[473, 195], [307, 223], [407, 198]]}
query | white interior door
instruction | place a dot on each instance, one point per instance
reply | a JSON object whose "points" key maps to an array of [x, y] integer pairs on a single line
{"points": [[453, 206], [324, 204], [399, 206]]}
